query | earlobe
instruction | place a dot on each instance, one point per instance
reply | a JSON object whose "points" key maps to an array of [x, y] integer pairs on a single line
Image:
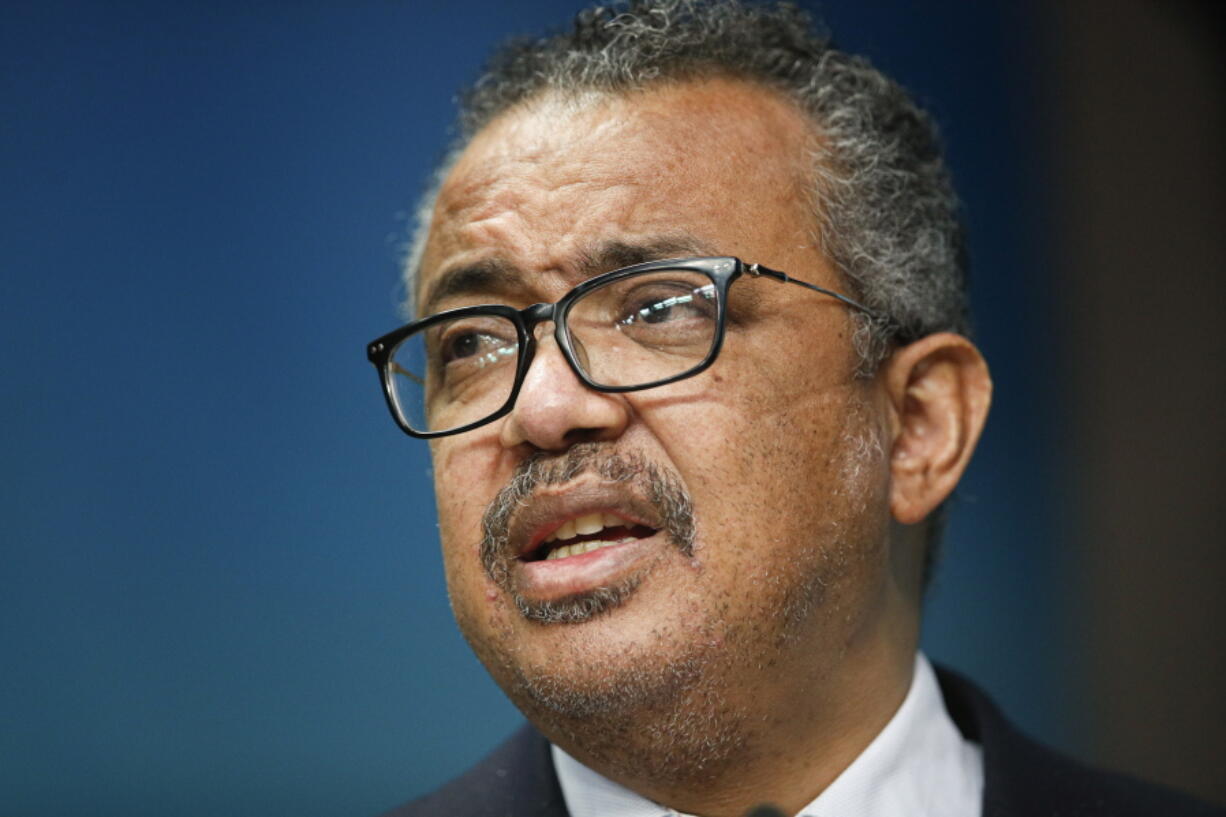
{"points": [[940, 390]]}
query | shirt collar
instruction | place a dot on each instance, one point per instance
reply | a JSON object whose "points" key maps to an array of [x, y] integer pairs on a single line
{"points": [[919, 765]]}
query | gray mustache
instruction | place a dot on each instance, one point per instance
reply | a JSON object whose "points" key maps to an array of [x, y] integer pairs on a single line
{"points": [[661, 487]]}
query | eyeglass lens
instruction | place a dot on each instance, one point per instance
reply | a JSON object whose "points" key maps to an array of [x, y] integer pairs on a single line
{"points": [[632, 331]]}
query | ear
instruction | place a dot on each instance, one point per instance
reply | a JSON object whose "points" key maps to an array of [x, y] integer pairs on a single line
{"points": [[939, 390]]}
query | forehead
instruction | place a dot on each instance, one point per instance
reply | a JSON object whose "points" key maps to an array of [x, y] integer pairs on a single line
{"points": [[720, 164]]}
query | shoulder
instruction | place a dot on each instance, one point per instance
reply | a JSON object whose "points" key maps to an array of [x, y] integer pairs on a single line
{"points": [[1022, 777], [515, 780]]}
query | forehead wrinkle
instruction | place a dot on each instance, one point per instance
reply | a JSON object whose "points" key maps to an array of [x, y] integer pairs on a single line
{"points": [[497, 275], [514, 169]]}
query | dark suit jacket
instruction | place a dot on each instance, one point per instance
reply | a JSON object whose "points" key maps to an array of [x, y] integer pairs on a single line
{"points": [[1022, 778]]}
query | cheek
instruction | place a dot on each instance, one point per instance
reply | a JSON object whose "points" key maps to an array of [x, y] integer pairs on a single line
{"points": [[480, 609], [753, 428], [465, 480], [467, 473], [762, 453]]}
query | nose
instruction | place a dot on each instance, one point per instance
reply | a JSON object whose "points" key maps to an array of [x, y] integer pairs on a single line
{"points": [[554, 410]]}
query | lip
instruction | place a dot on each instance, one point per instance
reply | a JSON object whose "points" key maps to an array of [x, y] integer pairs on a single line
{"points": [[536, 541], [549, 509], [550, 580]]}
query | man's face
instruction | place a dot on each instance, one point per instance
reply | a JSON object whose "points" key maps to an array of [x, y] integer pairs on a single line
{"points": [[771, 456]]}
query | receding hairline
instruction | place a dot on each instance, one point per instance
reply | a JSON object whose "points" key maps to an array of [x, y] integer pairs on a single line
{"points": [[587, 99]]}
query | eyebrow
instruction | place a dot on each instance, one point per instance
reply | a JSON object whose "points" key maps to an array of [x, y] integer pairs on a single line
{"points": [[496, 276], [488, 275], [615, 254]]}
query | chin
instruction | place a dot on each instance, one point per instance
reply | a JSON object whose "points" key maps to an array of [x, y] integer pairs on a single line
{"points": [[599, 651], [627, 694]]}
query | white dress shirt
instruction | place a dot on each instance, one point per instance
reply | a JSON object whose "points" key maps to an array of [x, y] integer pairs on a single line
{"points": [[919, 765]]}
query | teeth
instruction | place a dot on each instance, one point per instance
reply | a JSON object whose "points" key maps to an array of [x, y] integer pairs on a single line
{"points": [[585, 525], [584, 547], [592, 523]]}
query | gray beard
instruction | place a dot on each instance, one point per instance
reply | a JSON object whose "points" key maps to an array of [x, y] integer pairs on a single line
{"points": [[671, 723], [678, 710], [675, 721]]}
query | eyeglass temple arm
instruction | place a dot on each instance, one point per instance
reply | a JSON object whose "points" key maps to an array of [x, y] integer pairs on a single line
{"points": [[758, 271], [398, 369]]}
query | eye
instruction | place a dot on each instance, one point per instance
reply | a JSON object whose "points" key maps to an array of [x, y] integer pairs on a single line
{"points": [[473, 342], [463, 345], [660, 303], [476, 347]]}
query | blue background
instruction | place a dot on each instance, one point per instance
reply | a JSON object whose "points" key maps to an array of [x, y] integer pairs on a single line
{"points": [[221, 591]]}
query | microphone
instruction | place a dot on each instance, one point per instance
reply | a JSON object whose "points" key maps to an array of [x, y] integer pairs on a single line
{"points": [[764, 810]]}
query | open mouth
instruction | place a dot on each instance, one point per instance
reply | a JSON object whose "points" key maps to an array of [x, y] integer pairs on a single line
{"points": [[585, 534]]}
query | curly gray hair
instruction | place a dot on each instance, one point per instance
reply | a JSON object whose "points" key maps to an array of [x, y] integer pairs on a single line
{"points": [[884, 210]]}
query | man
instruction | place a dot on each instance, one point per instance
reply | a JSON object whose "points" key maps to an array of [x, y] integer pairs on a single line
{"points": [[691, 351]]}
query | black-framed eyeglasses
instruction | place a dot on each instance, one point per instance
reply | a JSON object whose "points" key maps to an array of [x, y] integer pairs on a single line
{"points": [[633, 328]]}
